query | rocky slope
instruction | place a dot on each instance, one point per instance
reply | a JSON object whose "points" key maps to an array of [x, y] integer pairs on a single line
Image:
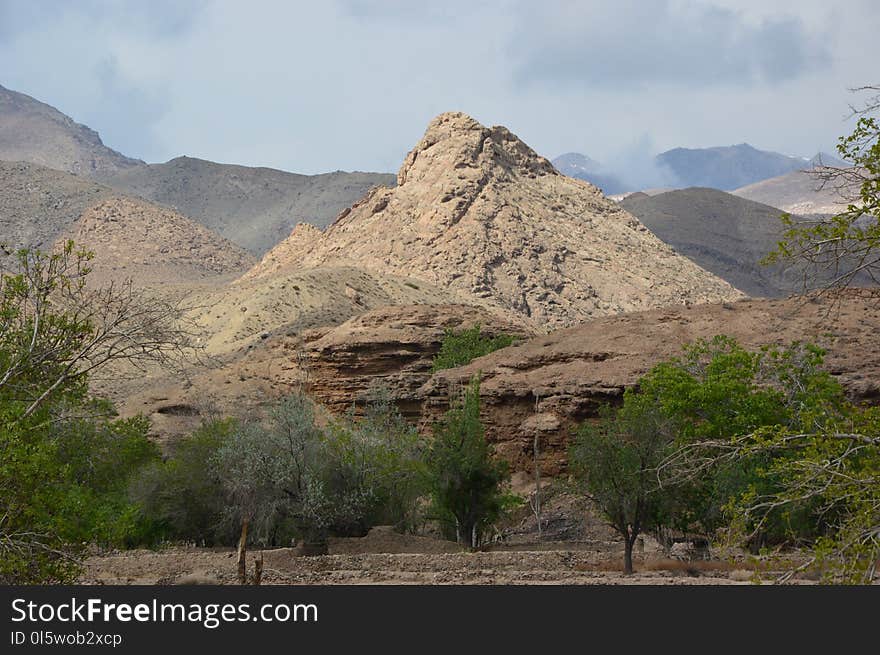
{"points": [[392, 348], [38, 204], [296, 300], [479, 212], [550, 383], [253, 207], [152, 245], [34, 132]]}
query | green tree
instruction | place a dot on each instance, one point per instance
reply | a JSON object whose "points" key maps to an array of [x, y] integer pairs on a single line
{"points": [[183, 496], [616, 460], [461, 347], [631, 460], [64, 461], [466, 482]]}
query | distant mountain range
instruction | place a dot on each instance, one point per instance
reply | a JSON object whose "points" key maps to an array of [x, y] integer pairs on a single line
{"points": [[731, 167], [724, 167], [253, 207]]}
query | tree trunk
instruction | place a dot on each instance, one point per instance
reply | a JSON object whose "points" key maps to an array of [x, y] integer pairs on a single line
{"points": [[242, 553], [628, 556], [537, 507]]}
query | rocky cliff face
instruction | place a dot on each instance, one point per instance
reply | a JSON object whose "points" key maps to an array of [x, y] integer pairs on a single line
{"points": [[391, 347], [479, 212], [551, 383]]}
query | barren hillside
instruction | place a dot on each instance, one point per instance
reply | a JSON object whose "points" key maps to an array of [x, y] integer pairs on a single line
{"points": [[799, 192], [152, 245], [253, 207], [38, 204], [723, 233], [34, 132]]}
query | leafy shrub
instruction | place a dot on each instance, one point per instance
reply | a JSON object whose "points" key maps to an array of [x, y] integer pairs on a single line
{"points": [[461, 347], [183, 497], [286, 477]]}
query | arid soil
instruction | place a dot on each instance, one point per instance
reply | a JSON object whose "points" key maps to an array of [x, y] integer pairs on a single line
{"points": [[283, 566], [575, 547]]}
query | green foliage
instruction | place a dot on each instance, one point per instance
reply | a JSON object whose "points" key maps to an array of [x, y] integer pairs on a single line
{"points": [[847, 244], [290, 478], [466, 483], [64, 485], [460, 348], [827, 475], [616, 458], [716, 391], [65, 463], [183, 497], [762, 446]]}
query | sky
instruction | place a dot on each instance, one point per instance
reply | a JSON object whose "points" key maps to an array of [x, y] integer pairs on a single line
{"points": [[317, 86]]}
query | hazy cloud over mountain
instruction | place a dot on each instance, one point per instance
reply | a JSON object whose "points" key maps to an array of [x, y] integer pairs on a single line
{"points": [[310, 87]]}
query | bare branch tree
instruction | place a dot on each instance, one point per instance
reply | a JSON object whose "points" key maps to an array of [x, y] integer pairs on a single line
{"points": [[56, 330]]}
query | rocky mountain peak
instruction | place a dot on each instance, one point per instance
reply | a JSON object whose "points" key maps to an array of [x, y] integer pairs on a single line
{"points": [[478, 212], [456, 140]]}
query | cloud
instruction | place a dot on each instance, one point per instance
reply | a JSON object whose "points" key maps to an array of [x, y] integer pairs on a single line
{"points": [[317, 86], [639, 43]]}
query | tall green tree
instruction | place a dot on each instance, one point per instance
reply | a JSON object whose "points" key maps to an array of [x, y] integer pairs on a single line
{"points": [[615, 459], [467, 484]]}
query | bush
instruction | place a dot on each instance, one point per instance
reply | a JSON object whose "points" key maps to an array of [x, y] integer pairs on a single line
{"points": [[465, 482], [64, 483], [183, 497], [286, 477], [460, 348]]}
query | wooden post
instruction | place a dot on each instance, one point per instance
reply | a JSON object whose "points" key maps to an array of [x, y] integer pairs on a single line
{"points": [[258, 570], [242, 553]]}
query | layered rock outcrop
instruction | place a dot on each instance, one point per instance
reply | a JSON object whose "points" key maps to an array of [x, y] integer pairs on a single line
{"points": [[391, 347], [549, 384]]}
